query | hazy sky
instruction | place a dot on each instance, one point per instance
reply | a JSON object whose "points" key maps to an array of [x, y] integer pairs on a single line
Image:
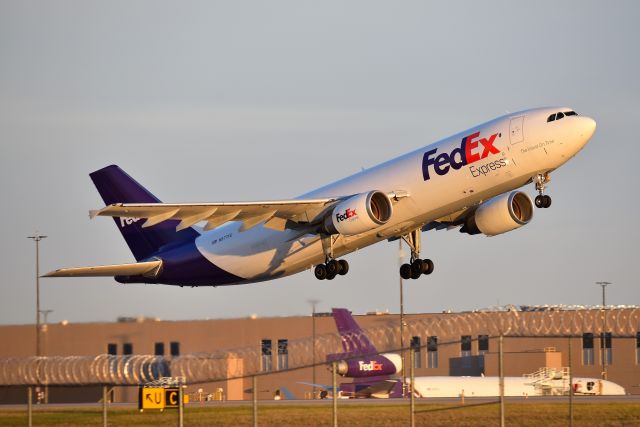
{"points": [[214, 101]]}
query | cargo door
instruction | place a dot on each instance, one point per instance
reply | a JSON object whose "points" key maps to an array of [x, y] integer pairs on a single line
{"points": [[516, 134]]}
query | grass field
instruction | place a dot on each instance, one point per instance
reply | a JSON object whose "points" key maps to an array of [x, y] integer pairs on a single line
{"points": [[517, 414]]}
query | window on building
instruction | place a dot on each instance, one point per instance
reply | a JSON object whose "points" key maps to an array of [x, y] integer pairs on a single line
{"points": [[605, 348], [415, 346], [483, 344], [127, 349], [158, 349], [112, 349], [265, 364], [587, 349], [283, 354], [432, 352], [174, 347], [465, 345], [638, 348]]}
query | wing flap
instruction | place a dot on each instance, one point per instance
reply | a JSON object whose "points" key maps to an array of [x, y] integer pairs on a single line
{"points": [[147, 269]]}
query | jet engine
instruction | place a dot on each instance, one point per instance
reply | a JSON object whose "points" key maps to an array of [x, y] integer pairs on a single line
{"points": [[359, 213], [500, 214], [382, 364]]}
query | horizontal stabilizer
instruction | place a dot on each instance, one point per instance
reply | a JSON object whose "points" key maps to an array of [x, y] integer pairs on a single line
{"points": [[147, 269]]}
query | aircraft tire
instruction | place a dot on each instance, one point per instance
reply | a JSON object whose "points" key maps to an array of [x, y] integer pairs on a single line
{"points": [[320, 271], [332, 267], [427, 266], [547, 201], [405, 271], [417, 267], [539, 201], [331, 276], [344, 267]]}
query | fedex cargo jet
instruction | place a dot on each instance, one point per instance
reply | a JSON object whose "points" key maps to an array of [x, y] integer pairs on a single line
{"points": [[376, 374], [469, 180]]}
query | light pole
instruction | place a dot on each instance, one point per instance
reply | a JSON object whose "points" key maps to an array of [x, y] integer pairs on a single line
{"points": [[36, 238], [313, 303], [603, 347], [404, 376]]}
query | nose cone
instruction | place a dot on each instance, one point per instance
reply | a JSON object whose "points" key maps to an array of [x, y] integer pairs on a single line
{"points": [[587, 127]]}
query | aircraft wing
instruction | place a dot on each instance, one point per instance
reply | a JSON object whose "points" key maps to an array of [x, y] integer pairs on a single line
{"points": [[274, 213], [147, 269]]}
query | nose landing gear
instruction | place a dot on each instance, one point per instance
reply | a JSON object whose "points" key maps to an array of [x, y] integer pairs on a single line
{"points": [[417, 267], [542, 200]]}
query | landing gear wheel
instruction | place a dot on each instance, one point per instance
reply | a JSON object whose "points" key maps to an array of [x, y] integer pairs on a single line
{"points": [[427, 266], [332, 268], [543, 201], [320, 272], [344, 267], [416, 268], [331, 276], [405, 271]]}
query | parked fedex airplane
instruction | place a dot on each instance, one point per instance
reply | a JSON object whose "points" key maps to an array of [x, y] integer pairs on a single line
{"points": [[375, 374], [468, 180]]}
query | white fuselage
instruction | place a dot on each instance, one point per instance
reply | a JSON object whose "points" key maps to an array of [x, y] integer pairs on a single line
{"points": [[442, 386], [516, 147]]}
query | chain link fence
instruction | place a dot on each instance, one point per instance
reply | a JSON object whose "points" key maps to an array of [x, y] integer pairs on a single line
{"points": [[246, 361]]}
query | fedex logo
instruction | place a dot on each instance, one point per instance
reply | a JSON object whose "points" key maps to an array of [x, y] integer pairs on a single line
{"points": [[127, 221], [472, 149], [349, 213], [371, 366]]}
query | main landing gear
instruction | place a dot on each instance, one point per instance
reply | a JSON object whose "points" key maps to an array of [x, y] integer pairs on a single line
{"points": [[542, 200], [417, 267], [332, 267]]}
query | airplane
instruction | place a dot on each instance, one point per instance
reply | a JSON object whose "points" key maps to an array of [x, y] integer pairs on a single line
{"points": [[372, 371], [468, 180], [373, 374]]}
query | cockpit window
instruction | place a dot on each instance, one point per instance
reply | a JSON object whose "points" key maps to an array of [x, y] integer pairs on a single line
{"points": [[559, 115]]}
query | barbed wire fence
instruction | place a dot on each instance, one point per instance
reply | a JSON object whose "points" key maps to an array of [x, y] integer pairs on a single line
{"points": [[223, 365]]}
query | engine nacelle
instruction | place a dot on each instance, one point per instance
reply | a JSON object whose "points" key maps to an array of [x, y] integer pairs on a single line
{"points": [[359, 213], [373, 366], [500, 214]]}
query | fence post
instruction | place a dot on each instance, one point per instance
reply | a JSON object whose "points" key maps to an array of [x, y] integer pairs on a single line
{"points": [[412, 360], [180, 405], [570, 385], [104, 406], [29, 406], [501, 373], [334, 368], [254, 388]]}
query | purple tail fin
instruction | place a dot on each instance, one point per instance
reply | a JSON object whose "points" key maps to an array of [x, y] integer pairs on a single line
{"points": [[116, 186], [354, 341]]}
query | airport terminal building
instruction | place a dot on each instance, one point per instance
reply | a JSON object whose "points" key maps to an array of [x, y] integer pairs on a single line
{"points": [[453, 344]]}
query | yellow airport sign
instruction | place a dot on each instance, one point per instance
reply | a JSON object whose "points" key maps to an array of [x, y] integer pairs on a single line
{"points": [[172, 399], [152, 398]]}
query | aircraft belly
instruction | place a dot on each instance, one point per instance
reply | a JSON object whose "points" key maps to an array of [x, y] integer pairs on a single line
{"points": [[259, 253]]}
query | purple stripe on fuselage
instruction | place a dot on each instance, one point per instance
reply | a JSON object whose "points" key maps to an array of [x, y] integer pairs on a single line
{"points": [[185, 265]]}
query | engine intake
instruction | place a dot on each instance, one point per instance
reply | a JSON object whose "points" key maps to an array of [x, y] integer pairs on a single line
{"points": [[500, 214], [359, 213]]}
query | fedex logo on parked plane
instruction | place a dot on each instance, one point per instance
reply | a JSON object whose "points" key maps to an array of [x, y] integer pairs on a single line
{"points": [[472, 149], [371, 366], [349, 213]]}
